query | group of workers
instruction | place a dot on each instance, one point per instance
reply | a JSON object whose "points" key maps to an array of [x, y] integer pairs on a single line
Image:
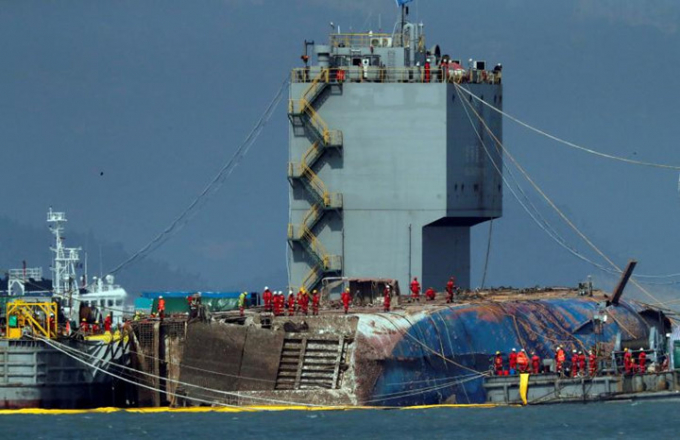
{"points": [[276, 303], [518, 362], [579, 364], [430, 294], [95, 328], [636, 364]]}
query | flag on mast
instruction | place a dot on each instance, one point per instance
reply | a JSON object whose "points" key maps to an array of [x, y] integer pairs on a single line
{"points": [[403, 2]]}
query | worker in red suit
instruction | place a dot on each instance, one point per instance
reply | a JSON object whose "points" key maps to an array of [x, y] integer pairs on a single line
{"points": [[582, 363], [315, 302], [346, 298], [450, 286], [291, 304], [522, 361], [560, 357], [277, 303], [574, 363], [642, 361], [427, 72], [592, 363], [387, 298], [303, 302], [430, 294], [95, 328], [498, 363], [627, 361], [84, 326], [535, 363], [415, 289], [107, 323], [161, 307], [512, 361], [267, 298]]}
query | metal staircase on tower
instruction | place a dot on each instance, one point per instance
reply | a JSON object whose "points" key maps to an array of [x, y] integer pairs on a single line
{"points": [[303, 115]]}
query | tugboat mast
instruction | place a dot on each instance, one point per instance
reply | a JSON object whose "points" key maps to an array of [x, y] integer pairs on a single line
{"points": [[65, 259]]}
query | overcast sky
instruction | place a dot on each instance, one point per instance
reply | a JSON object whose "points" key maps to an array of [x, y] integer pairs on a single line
{"points": [[157, 95]]}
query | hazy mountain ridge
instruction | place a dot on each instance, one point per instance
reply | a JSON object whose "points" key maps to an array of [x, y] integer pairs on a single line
{"points": [[20, 243]]}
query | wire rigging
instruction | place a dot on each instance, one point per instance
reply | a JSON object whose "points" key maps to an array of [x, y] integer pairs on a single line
{"points": [[544, 195], [216, 182], [570, 144]]}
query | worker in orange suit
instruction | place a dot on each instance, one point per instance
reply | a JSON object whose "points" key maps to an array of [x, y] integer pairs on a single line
{"points": [[415, 289], [498, 363], [161, 307], [315, 302], [592, 363], [387, 298], [346, 298], [450, 286], [522, 361], [291, 304], [560, 358], [535, 363]]}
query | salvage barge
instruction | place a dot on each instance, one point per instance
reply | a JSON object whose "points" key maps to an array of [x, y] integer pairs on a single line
{"points": [[417, 354]]}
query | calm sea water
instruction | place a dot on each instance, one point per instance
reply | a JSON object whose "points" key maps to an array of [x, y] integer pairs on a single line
{"points": [[590, 421]]}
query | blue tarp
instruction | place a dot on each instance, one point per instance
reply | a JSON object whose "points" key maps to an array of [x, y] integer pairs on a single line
{"points": [[143, 305]]}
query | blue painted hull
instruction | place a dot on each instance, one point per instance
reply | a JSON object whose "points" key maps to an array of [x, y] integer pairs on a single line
{"points": [[439, 354]]}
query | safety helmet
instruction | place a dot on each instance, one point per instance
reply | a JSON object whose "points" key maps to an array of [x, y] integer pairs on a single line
{"points": [[266, 288], [314, 291], [160, 297], [498, 352], [83, 319], [514, 349], [523, 350], [625, 349], [573, 351]]}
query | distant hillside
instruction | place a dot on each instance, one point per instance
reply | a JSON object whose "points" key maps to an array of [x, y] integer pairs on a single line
{"points": [[26, 243]]}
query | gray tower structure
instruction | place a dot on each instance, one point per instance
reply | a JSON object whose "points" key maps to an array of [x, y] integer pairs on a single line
{"points": [[387, 173]]}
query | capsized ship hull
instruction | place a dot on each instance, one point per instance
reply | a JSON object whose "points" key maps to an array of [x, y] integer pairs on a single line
{"points": [[421, 354], [433, 355]]}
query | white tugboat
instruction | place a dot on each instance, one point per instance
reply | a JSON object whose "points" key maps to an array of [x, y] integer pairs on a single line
{"points": [[47, 359], [101, 296]]}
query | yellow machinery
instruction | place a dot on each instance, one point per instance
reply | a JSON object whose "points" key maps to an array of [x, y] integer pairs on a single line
{"points": [[39, 317]]}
